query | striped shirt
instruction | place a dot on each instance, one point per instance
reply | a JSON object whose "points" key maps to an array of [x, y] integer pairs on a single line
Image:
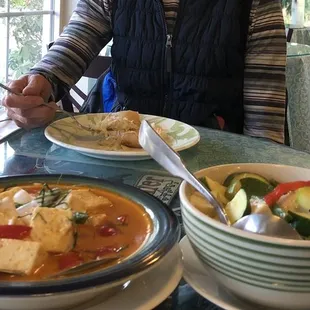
{"points": [[90, 29]]}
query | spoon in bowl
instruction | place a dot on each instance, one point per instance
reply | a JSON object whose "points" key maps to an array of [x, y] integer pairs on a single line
{"points": [[84, 267], [10, 90], [259, 223]]}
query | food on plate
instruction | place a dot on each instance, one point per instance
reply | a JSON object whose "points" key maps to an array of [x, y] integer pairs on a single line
{"points": [[47, 228], [120, 131], [245, 193]]}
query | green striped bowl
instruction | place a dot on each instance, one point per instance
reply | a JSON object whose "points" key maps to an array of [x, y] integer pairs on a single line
{"points": [[258, 268]]}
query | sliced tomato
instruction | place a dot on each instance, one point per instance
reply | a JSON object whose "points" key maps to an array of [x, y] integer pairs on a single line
{"points": [[14, 231], [69, 260], [107, 231]]}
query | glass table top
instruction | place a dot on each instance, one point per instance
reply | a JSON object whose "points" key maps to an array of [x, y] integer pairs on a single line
{"points": [[297, 50], [31, 153]]}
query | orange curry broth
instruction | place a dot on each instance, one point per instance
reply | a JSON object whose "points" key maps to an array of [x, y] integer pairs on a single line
{"points": [[89, 241]]}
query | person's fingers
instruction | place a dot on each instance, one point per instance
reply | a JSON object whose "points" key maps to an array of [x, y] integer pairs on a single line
{"points": [[22, 102], [31, 118], [38, 86], [27, 110], [35, 89], [19, 85]]}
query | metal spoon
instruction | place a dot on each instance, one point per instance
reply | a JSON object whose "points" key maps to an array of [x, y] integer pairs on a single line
{"points": [[10, 90], [84, 267], [263, 223], [5, 120], [156, 147]]}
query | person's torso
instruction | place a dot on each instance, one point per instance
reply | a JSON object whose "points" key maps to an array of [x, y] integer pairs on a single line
{"points": [[182, 61]]}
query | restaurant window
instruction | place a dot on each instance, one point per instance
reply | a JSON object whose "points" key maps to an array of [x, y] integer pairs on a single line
{"points": [[26, 27], [296, 12]]}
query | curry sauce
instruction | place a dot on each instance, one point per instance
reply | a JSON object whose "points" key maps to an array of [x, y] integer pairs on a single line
{"points": [[115, 225]]}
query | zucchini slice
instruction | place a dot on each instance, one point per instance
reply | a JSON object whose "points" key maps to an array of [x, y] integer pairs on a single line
{"points": [[253, 184], [303, 198], [280, 212], [229, 179], [301, 222], [255, 187], [237, 207]]}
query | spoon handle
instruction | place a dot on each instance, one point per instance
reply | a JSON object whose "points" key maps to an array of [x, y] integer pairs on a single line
{"points": [[171, 161], [84, 267], [10, 90]]}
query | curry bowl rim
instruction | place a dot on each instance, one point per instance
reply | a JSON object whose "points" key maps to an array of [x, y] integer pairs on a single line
{"points": [[141, 260]]}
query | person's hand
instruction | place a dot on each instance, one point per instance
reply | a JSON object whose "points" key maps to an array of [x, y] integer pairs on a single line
{"points": [[27, 111]]}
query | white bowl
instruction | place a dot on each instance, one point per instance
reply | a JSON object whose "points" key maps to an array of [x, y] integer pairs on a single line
{"points": [[270, 271]]}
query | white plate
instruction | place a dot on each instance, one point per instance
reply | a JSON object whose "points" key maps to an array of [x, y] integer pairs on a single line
{"points": [[146, 292], [65, 133], [204, 283]]}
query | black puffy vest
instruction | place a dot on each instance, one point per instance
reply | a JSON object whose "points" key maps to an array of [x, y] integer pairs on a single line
{"points": [[193, 76]]}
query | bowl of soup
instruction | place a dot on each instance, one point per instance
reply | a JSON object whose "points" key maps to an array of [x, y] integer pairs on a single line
{"points": [[267, 270], [50, 224]]}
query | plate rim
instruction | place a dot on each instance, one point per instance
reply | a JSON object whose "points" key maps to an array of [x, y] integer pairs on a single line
{"points": [[140, 153], [210, 297], [175, 277]]}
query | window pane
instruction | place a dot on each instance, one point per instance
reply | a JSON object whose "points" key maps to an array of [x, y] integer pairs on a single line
{"points": [[29, 5], [296, 12], [307, 13], [3, 6], [3, 40], [28, 41]]}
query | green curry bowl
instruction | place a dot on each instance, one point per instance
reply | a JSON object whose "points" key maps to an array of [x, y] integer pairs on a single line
{"points": [[270, 271]]}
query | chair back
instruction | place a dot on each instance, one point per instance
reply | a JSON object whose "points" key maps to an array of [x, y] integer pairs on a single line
{"points": [[97, 67]]}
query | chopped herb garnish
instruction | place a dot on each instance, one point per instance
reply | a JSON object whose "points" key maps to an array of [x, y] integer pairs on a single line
{"points": [[51, 198], [41, 216], [62, 199], [43, 196], [80, 217], [75, 238], [59, 179], [17, 205], [22, 216]]}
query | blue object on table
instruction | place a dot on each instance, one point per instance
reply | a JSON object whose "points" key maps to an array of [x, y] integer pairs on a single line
{"points": [[109, 92]]}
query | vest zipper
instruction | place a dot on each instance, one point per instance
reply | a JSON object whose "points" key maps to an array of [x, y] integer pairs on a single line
{"points": [[168, 53], [168, 71]]}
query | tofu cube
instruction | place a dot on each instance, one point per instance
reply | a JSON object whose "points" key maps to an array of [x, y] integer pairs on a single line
{"points": [[20, 257], [84, 200], [10, 193], [53, 228], [8, 213], [98, 219]]}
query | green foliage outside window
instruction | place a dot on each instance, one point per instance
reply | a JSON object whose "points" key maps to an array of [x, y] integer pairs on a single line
{"points": [[27, 33], [287, 6]]}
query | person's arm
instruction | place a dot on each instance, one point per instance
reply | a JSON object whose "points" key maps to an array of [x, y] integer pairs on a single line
{"points": [[264, 80], [89, 30]]}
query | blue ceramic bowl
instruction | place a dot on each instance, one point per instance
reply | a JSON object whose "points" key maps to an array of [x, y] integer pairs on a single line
{"points": [[164, 236]]}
